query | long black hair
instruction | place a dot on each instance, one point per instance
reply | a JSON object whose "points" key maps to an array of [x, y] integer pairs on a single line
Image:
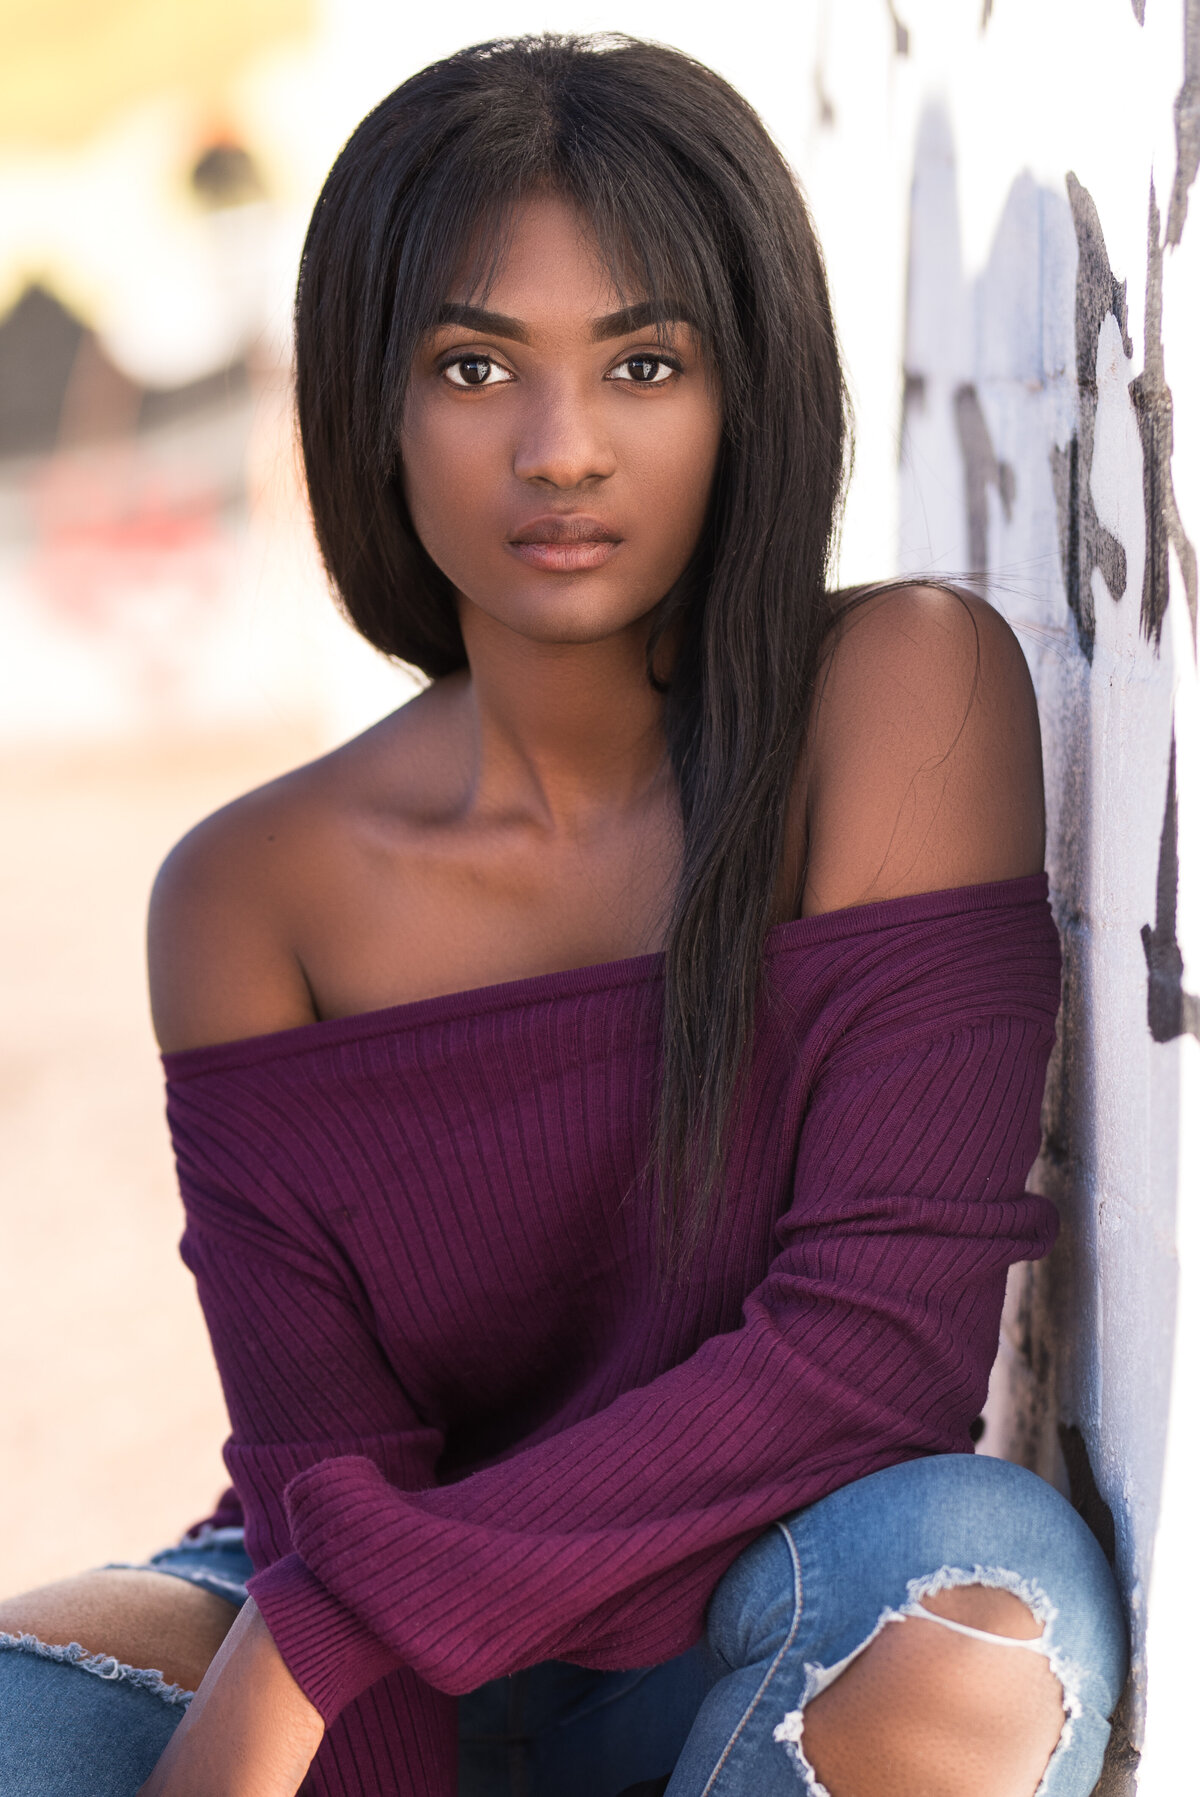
{"points": [[692, 202]]}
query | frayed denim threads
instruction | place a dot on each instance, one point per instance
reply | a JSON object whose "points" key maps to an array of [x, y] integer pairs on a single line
{"points": [[99, 1665]]}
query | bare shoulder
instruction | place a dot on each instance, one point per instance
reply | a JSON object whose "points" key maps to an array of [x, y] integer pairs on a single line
{"points": [[923, 768], [236, 899], [219, 958]]}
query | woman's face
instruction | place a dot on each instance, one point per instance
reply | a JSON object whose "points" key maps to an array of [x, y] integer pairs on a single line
{"points": [[559, 447]]}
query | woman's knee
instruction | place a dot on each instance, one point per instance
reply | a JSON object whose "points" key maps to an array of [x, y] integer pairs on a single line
{"points": [[135, 1616], [952, 1521], [847, 1596], [754, 1611], [929, 1710]]}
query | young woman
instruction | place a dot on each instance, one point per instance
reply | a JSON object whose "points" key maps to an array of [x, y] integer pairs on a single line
{"points": [[603, 1091]]}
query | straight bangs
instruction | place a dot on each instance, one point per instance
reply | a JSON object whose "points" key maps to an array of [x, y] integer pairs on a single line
{"points": [[464, 237], [654, 233]]}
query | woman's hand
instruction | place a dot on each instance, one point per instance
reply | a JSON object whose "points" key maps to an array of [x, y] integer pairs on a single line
{"points": [[249, 1731]]}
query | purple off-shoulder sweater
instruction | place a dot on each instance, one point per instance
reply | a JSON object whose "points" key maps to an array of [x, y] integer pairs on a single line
{"points": [[468, 1432]]}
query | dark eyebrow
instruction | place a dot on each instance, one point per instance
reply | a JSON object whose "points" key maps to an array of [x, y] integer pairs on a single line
{"points": [[635, 318], [614, 324], [488, 324]]}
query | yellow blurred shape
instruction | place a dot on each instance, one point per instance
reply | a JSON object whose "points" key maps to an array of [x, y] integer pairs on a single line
{"points": [[67, 66]]}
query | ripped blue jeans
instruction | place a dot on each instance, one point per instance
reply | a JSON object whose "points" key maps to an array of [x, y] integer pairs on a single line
{"points": [[725, 1719]]}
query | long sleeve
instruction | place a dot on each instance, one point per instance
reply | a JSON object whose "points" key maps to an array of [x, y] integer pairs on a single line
{"points": [[866, 1340], [305, 1383], [603, 1544]]}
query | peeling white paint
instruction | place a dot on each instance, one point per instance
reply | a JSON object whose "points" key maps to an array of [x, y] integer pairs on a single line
{"points": [[979, 134]]}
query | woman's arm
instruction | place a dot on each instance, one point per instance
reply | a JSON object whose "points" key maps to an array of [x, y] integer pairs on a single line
{"points": [[304, 1377], [248, 1732], [306, 1383]]}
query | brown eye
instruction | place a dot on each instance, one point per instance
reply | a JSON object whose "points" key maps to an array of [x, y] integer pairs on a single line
{"points": [[474, 371], [645, 371]]}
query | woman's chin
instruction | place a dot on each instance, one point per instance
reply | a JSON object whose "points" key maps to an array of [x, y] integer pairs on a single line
{"points": [[571, 617]]}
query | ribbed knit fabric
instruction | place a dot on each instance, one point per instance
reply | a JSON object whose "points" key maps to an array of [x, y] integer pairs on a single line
{"points": [[468, 1432]]}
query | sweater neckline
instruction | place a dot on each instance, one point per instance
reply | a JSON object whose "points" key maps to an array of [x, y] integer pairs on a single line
{"points": [[598, 976]]}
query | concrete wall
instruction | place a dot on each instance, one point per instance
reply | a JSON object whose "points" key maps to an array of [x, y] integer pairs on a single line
{"points": [[1046, 442]]}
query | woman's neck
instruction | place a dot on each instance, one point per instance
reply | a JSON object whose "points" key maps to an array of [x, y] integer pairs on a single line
{"points": [[561, 732]]}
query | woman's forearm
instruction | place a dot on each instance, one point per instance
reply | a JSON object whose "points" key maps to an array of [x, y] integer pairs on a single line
{"points": [[249, 1731]]}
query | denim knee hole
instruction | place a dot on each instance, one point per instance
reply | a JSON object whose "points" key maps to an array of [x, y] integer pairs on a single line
{"points": [[790, 1732]]}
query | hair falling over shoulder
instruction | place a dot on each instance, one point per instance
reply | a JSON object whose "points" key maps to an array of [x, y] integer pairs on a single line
{"points": [[691, 203]]}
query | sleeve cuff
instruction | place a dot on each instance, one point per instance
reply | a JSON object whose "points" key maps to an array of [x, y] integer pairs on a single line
{"points": [[327, 1650]]}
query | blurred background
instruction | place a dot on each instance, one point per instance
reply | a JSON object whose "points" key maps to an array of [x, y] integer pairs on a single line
{"points": [[167, 640], [1003, 191]]}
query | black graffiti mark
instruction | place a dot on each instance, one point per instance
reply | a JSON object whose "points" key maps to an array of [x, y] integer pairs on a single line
{"points": [[1170, 1010], [1085, 543], [1155, 415], [901, 40], [1064, 477], [1097, 290], [982, 469], [1139, 11], [987, 13], [1187, 124]]}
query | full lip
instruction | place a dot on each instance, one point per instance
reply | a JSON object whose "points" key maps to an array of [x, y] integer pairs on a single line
{"points": [[564, 543], [560, 527]]}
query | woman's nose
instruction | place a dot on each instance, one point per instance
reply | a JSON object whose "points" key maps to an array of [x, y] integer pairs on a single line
{"points": [[564, 444]]}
